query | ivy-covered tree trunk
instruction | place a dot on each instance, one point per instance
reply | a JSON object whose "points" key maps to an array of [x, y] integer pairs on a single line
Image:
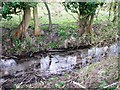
{"points": [[85, 11], [82, 25], [81, 29], [22, 28], [89, 26], [85, 24], [36, 21]]}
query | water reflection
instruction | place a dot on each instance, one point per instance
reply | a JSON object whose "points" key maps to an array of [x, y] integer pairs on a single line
{"points": [[7, 63], [114, 49], [57, 63]]}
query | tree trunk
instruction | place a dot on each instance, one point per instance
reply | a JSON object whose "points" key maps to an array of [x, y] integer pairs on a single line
{"points": [[82, 25], [23, 26], [81, 30], [89, 27], [36, 21], [49, 16]]}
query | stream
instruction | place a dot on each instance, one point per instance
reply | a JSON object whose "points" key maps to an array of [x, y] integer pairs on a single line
{"points": [[56, 63]]}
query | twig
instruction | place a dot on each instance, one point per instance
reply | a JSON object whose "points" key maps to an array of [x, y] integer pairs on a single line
{"points": [[111, 84], [4, 82], [30, 72], [32, 77], [18, 86], [73, 16], [78, 84], [42, 83]]}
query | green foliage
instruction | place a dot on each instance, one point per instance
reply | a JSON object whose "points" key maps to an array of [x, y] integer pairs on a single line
{"points": [[28, 43], [19, 46], [103, 84], [60, 84], [52, 45], [14, 87], [62, 33], [9, 8], [85, 11], [11, 24], [44, 27], [82, 8], [53, 78], [66, 27], [16, 43], [41, 89]]}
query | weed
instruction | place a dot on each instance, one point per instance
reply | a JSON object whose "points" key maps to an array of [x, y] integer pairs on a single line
{"points": [[52, 45], [63, 34], [53, 78], [60, 84], [41, 89], [16, 43], [66, 75], [14, 87], [103, 84], [44, 27]]}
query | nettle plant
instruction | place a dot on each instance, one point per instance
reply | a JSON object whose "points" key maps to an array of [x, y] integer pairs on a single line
{"points": [[85, 12]]}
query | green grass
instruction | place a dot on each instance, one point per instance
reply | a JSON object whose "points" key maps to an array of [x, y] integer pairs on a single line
{"points": [[52, 45], [59, 16], [67, 26], [11, 24]]}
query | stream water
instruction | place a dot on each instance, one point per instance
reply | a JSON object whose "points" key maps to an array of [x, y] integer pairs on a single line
{"points": [[56, 64]]}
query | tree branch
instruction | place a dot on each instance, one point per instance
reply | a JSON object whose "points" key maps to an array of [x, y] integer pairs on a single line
{"points": [[111, 84]]}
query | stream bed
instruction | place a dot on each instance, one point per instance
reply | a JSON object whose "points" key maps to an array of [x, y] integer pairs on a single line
{"points": [[55, 64]]}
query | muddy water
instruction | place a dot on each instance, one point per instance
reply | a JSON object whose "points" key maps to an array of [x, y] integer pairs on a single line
{"points": [[56, 64]]}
